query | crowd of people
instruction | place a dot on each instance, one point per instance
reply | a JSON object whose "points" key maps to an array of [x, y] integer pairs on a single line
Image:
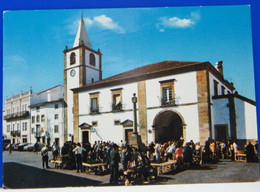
{"points": [[112, 154]]}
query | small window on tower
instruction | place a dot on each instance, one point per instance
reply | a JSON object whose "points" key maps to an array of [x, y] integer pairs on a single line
{"points": [[72, 58], [92, 59]]}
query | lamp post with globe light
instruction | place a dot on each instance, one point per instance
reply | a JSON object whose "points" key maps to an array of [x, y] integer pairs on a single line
{"points": [[135, 139]]}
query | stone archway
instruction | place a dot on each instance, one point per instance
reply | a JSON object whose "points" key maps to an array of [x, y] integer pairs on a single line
{"points": [[168, 126]]}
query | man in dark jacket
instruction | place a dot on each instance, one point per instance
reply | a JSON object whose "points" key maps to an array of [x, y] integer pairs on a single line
{"points": [[250, 153], [114, 164], [45, 157]]}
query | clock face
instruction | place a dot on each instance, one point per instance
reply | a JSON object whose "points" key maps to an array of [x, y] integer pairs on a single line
{"points": [[72, 73]]}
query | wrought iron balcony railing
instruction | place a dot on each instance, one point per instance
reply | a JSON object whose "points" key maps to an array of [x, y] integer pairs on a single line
{"points": [[13, 116], [94, 110], [168, 102], [16, 133], [117, 107]]}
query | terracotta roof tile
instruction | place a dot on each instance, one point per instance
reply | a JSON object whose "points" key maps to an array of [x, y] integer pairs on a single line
{"points": [[148, 69], [151, 71]]}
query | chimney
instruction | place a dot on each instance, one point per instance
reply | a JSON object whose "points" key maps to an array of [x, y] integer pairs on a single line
{"points": [[219, 67]]}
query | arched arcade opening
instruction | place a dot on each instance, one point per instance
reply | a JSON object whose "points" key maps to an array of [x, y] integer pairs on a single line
{"points": [[168, 126]]}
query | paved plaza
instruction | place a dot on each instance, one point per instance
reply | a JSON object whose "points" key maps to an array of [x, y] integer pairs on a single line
{"points": [[25, 168]]}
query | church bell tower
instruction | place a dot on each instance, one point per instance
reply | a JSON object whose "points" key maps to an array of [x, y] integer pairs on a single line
{"points": [[82, 66]]}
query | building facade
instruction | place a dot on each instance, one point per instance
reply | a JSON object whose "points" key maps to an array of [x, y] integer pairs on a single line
{"points": [[16, 117], [47, 116], [176, 99], [30, 117]]}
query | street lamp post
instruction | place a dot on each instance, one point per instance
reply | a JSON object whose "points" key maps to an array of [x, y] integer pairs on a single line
{"points": [[134, 101], [135, 139]]}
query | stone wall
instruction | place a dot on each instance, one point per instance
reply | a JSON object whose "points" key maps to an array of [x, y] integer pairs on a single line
{"points": [[203, 105]]}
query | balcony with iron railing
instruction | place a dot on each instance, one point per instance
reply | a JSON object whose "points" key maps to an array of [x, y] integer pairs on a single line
{"points": [[171, 102], [117, 107], [16, 133], [13, 116], [94, 110]]}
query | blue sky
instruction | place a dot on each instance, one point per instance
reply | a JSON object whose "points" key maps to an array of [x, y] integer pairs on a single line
{"points": [[128, 38]]}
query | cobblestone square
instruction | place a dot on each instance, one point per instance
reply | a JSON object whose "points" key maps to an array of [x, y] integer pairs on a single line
{"points": [[25, 169]]}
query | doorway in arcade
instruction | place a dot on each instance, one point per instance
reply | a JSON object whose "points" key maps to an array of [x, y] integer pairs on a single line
{"points": [[168, 127], [85, 137]]}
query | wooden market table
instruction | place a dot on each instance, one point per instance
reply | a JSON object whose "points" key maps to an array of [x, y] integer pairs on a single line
{"points": [[57, 162], [98, 167], [241, 157], [161, 167]]}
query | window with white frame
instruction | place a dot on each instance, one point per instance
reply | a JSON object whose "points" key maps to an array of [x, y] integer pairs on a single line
{"points": [[8, 128], [56, 116], [42, 118], [56, 128], [33, 119]]}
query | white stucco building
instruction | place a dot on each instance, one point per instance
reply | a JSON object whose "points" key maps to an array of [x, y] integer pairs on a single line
{"points": [[47, 116], [16, 117], [30, 117], [176, 99]]}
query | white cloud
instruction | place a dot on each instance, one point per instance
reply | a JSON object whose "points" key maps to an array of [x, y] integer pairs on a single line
{"points": [[104, 22], [176, 22], [161, 30], [15, 62], [88, 21]]}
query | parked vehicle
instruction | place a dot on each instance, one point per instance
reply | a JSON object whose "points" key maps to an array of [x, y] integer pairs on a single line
{"points": [[31, 147], [22, 146], [15, 146]]}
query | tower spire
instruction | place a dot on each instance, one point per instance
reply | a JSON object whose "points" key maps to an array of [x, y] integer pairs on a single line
{"points": [[82, 35]]}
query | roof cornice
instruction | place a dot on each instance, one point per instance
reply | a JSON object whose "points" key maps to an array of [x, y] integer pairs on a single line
{"points": [[196, 66], [233, 96], [81, 46], [47, 103]]}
